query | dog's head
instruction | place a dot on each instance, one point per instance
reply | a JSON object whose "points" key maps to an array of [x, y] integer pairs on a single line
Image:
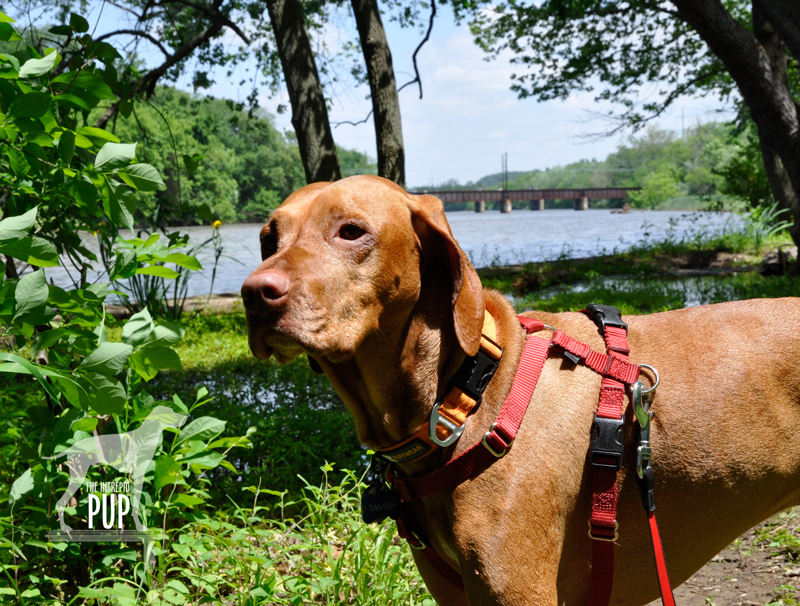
{"points": [[344, 260]]}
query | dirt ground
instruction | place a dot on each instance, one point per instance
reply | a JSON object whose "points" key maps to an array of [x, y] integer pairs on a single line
{"points": [[762, 567]]}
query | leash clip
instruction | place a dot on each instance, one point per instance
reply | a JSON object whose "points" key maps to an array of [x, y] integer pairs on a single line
{"points": [[436, 418], [641, 408]]}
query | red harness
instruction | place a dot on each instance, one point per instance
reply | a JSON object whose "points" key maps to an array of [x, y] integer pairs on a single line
{"points": [[605, 453]]}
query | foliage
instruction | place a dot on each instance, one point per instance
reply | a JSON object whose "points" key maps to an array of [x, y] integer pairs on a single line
{"points": [[59, 338], [247, 166], [657, 187], [744, 176], [612, 50], [697, 164]]}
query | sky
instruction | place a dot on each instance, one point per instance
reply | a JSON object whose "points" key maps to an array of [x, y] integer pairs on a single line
{"points": [[468, 116]]}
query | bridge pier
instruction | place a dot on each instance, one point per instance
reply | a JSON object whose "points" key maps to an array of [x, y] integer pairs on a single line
{"points": [[581, 204], [505, 206], [480, 206], [537, 204]]}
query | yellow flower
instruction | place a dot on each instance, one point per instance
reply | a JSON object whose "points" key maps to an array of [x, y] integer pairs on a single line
{"points": [[216, 224]]}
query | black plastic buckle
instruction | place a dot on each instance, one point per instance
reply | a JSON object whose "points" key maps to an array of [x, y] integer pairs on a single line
{"points": [[606, 315], [475, 374], [606, 443]]}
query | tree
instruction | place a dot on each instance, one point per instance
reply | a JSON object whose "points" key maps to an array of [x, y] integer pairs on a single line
{"points": [[684, 47], [383, 89], [309, 112]]}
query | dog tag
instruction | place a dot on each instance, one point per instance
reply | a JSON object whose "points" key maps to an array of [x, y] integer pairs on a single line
{"points": [[378, 503]]}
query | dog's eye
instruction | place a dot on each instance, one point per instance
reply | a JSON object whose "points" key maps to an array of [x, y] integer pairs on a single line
{"points": [[269, 244], [350, 232]]}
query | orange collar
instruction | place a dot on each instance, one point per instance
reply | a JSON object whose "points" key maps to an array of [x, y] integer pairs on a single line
{"points": [[448, 417]]}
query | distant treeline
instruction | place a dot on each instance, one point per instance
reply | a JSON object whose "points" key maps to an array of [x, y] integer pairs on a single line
{"points": [[713, 163], [237, 165]]}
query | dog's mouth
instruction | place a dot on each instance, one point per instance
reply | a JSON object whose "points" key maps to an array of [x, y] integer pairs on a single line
{"points": [[287, 342]]}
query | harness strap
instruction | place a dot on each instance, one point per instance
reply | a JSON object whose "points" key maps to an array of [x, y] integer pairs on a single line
{"points": [[496, 441], [603, 523]]}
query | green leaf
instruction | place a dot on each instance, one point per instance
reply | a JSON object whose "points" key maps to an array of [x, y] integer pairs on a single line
{"points": [[46, 339], [34, 68], [183, 260], [186, 500], [85, 80], [33, 369], [61, 30], [78, 23], [66, 146], [8, 33], [137, 328], [162, 358], [21, 486], [72, 101], [17, 227], [107, 394], [6, 19], [97, 133], [35, 251], [209, 460], [126, 107], [86, 424], [108, 359], [121, 205], [158, 270], [166, 471], [166, 334], [144, 176], [31, 293], [114, 155], [204, 428], [192, 162], [32, 105]]}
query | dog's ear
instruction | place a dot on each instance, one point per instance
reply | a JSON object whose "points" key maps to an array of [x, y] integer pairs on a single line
{"points": [[436, 239]]}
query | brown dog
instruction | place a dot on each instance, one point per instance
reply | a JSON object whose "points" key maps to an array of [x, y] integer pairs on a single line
{"points": [[368, 281]]}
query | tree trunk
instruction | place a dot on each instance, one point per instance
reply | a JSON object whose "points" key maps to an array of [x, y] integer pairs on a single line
{"points": [[309, 112], [768, 97], [775, 49], [785, 17], [383, 88]]}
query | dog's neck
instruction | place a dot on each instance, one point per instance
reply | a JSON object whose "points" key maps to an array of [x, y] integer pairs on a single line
{"points": [[392, 382]]}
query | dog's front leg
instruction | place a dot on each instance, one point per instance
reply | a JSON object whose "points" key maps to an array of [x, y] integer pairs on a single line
{"points": [[442, 590]]}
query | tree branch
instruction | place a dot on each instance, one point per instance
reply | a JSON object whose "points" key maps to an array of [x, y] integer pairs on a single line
{"points": [[414, 56], [134, 32], [336, 124]]}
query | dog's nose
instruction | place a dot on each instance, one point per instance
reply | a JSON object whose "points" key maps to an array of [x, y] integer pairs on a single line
{"points": [[268, 287]]}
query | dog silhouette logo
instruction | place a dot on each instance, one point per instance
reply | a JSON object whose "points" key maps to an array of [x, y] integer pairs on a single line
{"points": [[129, 453]]}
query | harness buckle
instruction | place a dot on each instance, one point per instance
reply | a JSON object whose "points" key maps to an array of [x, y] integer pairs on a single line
{"points": [[475, 374], [436, 419], [488, 434], [606, 315], [600, 537], [606, 443]]}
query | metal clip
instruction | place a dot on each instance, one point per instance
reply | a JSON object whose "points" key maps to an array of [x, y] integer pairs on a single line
{"points": [[641, 408], [436, 419]]}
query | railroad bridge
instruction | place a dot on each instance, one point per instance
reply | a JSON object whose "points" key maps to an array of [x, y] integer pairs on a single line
{"points": [[480, 197]]}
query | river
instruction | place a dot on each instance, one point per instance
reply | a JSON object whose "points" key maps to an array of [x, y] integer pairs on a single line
{"points": [[489, 238]]}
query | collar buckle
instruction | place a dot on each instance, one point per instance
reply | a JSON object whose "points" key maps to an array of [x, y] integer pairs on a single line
{"points": [[436, 419]]}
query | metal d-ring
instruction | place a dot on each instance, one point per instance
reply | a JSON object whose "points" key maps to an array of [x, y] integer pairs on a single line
{"points": [[658, 379], [435, 420]]}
